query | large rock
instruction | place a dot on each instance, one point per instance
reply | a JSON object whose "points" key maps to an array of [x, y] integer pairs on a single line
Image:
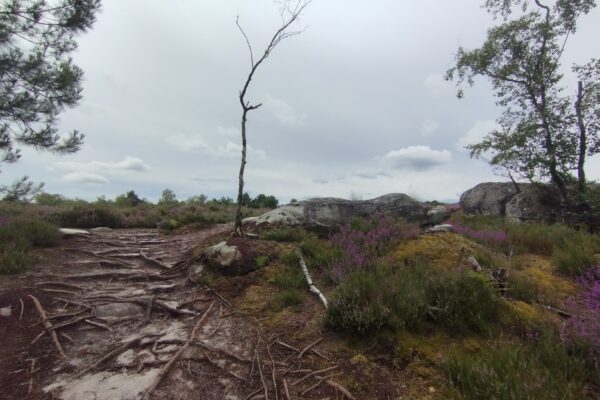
{"points": [[327, 212], [233, 257], [488, 198], [533, 202]]}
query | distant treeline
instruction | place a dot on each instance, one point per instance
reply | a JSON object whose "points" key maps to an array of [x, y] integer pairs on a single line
{"points": [[168, 198]]}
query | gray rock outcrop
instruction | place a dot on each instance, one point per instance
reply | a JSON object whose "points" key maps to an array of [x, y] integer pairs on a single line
{"points": [[328, 212], [502, 199]]}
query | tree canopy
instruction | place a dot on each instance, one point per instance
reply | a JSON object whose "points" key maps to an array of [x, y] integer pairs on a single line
{"points": [[545, 131], [38, 79]]}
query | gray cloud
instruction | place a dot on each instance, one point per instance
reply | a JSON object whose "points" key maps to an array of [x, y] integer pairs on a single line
{"points": [[417, 157], [84, 177]]}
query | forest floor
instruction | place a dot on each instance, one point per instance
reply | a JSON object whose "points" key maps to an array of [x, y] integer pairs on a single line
{"points": [[130, 324]]}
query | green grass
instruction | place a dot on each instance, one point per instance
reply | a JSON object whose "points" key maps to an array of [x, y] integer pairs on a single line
{"points": [[287, 298], [512, 371], [575, 255], [287, 234], [261, 261]]}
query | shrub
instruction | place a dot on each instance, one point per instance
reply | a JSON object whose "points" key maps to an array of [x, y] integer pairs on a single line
{"points": [[13, 257], [359, 243], [463, 301], [88, 217], [289, 275], [574, 256], [521, 287], [583, 328], [542, 371], [357, 306], [407, 296], [284, 235], [28, 231], [488, 237]]}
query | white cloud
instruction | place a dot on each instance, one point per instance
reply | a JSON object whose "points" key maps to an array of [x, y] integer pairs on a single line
{"points": [[127, 164], [190, 143], [234, 149], [428, 127], [283, 112], [476, 134], [198, 144], [417, 157], [230, 131], [437, 85], [84, 177]]}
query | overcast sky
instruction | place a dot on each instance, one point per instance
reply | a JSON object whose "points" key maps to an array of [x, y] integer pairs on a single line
{"points": [[353, 107]]}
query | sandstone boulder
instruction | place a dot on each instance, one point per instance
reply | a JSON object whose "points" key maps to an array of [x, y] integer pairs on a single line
{"points": [[233, 257], [331, 212], [533, 202]]}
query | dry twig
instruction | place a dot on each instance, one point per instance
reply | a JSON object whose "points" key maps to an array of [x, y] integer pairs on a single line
{"points": [[165, 369], [48, 325]]}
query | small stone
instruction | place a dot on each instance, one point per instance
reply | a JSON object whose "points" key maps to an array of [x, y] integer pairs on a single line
{"points": [[71, 232], [431, 389], [6, 311], [196, 272], [441, 228]]}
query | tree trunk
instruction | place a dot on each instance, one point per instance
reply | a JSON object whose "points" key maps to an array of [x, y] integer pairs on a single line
{"points": [[238, 214], [582, 139]]}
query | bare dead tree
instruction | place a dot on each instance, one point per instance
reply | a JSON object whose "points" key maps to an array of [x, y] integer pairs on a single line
{"points": [[290, 12]]}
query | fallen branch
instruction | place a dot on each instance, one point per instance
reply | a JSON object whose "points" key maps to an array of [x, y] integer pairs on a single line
{"points": [[316, 385], [310, 346], [560, 312], [285, 388], [38, 337], [312, 287], [273, 377], [165, 369], [223, 368], [48, 325], [339, 388], [153, 261], [123, 347], [305, 377], [98, 324], [22, 308]]}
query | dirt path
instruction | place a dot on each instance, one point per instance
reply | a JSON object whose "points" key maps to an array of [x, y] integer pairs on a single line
{"points": [[132, 326]]}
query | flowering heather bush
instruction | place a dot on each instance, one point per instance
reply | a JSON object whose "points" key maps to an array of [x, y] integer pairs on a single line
{"points": [[584, 326], [360, 242], [495, 238]]}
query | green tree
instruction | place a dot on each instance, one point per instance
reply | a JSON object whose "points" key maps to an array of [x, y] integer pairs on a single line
{"points": [[544, 133], [129, 199], [168, 198], [38, 78]]}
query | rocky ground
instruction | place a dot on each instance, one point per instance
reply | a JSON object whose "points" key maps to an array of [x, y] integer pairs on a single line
{"points": [[113, 316]]}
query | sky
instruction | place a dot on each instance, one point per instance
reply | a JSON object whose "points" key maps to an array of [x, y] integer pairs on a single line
{"points": [[354, 107]]}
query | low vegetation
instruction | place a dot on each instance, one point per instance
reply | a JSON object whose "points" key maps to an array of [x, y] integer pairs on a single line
{"points": [[18, 235], [511, 312]]}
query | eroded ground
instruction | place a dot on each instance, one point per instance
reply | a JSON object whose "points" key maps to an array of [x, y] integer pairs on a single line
{"points": [[131, 325]]}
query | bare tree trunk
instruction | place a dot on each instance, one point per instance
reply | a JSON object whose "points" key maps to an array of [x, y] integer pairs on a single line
{"points": [[238, 215], [582, 139], [290, 11]]}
